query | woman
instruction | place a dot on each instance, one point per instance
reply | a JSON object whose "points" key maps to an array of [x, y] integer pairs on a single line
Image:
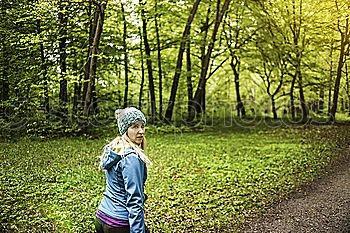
{"points": [[124, 161]]}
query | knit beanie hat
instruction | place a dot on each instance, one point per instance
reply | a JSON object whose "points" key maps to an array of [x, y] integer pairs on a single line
{"points": [[127, 117]]}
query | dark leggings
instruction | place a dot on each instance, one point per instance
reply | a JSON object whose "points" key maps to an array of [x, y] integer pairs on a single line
{"points": [[102, 227]]}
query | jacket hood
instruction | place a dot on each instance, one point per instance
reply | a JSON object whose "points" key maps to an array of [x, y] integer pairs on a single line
{"points": [[110, 157]]}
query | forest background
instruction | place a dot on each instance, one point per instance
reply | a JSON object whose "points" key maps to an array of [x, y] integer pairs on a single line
{"points": [[246, 100], [67, 65]]}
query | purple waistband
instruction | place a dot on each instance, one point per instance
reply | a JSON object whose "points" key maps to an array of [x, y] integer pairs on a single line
{"points": [[114, 222]]}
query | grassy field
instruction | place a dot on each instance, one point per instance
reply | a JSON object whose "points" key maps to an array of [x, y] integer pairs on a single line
{"points": [[206, 181]]}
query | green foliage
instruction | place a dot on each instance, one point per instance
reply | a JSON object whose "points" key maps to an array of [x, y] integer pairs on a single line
{"points": [[200, 181], [302, 32]]}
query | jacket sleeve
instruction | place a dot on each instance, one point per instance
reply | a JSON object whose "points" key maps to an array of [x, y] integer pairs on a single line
{"points": [[133, 171]]}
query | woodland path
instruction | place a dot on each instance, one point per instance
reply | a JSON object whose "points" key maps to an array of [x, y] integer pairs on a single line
{"points": [[323, 205]]}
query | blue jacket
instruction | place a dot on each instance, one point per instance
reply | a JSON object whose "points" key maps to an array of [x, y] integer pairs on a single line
{"points": [[125, 179]]}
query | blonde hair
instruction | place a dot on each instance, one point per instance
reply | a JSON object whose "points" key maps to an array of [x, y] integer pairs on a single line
{"points": [[121, 143]]}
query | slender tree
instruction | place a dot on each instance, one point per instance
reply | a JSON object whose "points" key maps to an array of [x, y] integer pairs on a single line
{"points": [[299, 46], [347, 88], [4, 61], [344, 47], [63, 96], [273, 71], [159, 58], [239, 30], [330, 80], [199, 97], [93, 16], [126, 61], [189, 80], [148, 61], [142, 70], [184, 39], [46, 102], [92, 60]]}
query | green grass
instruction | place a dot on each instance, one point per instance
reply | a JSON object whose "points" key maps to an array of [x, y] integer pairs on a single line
{"points": [[200, 182]]}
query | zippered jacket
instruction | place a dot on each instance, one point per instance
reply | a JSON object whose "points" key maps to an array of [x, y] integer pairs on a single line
{"points": [[126, 175]]}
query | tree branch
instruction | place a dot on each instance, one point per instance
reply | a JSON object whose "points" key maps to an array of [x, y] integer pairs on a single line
{"points": [[217, 68]]}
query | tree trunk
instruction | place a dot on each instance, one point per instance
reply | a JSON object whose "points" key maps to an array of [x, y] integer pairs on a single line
{"points": [[235, 63], [296, 31], [304, 109], [189, 81], [125, 51], [200, 92], [76, 98], [330, 80], [4, 84], [148, 63], [274, 111], [4, 66], [160, 72], [292, 105], [63, 96], [171, 102], [343, 42], [142, 71], [77, 92], [197, 106], [46, 103], [268, 83], [347, 89], [320, 106], [100, 9], [92, 30]]}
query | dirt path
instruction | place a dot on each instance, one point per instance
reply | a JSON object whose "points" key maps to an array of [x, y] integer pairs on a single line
{"points": [[321, 206]]}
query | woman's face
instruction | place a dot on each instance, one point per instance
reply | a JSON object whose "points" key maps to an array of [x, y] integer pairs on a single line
{"points": [[136, 132]]}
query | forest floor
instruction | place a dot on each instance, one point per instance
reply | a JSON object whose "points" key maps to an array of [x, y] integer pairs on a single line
{"points": [[205, 181], [319, 206]]}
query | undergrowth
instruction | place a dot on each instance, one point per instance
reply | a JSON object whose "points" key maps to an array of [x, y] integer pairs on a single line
{"points": [[209, 180]]}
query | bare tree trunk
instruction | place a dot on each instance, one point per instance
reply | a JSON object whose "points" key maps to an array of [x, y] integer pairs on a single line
{"points": [[63, 96], [76, 98], [200, 92], [77, 91], [304, 108], [92, 29], [197, 106], [235, 63], [142, 71], [171, 102], [189, 80], [330, 79], [4, 64], [296, 30], [100, 9], [343, 42], [273, 95], [320, 106], [205, 28], [46, 106], [160, 72], [347, 89], [5, 87], [126, 68], [298, 51], [148, 63], [292, 105], [274, 111], [296, 33]]}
